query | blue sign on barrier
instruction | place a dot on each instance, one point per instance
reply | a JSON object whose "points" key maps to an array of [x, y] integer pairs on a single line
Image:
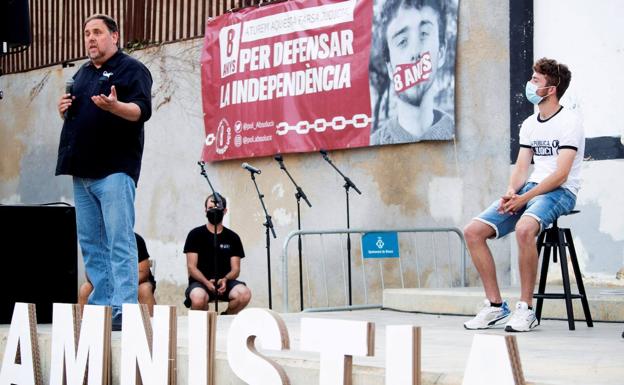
{"points": [[380, 245]]}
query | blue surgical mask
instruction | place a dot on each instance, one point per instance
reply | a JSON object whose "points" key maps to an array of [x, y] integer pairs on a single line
{"points": [[531, 93]]}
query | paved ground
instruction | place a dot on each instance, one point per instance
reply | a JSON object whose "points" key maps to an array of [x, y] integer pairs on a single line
{"points": [[551, 354]]}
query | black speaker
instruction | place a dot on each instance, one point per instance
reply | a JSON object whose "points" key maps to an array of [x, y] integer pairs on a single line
{"points": [[14, 23], [39, 257]]}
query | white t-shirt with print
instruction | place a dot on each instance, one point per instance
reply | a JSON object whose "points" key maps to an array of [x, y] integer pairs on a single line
{"points": [[546, 138]]}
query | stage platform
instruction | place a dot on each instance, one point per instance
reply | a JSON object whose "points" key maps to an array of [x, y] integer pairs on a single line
{"points": [[605, 303], [551, 354]]}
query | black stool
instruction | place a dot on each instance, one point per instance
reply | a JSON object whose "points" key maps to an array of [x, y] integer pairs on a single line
{"points": [[555, 239]]}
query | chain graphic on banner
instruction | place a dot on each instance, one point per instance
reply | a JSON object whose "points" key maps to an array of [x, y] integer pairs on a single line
{"points": [[320, 125]]}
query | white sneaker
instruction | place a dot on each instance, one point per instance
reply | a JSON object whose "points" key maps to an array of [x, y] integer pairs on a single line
{"points": [[489, 316], [522, 320]]}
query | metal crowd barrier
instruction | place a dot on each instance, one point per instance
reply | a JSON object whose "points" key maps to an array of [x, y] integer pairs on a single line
{"points": [[342, 231]]}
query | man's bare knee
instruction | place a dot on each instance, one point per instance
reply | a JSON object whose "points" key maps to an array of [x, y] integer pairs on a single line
{"points": [[245, 295], [84, 292], [527, 229], [477, 231], [241, 294], [199, 299], [145, 292], [198, 304]]}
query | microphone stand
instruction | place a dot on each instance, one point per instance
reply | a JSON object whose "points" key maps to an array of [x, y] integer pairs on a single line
{"points": [[217, 198], [299, 194], [348, 184], [268, 224]]}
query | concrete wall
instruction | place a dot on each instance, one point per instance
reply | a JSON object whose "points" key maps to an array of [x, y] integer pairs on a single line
{"points": [[595, 91], [586, 38], [424, 184]]}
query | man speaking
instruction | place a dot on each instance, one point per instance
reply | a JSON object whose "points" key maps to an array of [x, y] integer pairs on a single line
{"points": [[101, 146]]}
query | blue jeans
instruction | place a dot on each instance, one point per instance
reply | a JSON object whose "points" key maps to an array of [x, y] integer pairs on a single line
{"points": [[543, 208], [105, 222]]}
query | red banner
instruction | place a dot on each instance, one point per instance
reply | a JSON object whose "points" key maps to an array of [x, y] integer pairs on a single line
{"points": [[288, 77]]}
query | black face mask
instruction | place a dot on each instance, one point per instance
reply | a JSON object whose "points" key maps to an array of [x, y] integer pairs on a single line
{"points": [[214, 215]]}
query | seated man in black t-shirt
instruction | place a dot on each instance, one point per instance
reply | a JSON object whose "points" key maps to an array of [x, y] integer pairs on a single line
{"points": [[147, 283], [201, 263]]}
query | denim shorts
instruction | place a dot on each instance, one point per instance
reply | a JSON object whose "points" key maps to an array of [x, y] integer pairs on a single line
{"points": [[544, 208]]}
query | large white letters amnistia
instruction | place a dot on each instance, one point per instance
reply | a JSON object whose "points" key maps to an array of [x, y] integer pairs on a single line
{"points": [[148, 349], [253, 326], [403, 355], [493, 360], [21, 364], [337, 341], [69, 364], [202, 327]]}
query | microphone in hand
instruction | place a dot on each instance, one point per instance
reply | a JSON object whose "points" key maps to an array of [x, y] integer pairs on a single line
{"points": [[251, 168], [69, 85]]}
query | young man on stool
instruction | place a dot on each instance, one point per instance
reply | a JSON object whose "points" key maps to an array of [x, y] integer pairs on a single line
{"points": [[553, 138]]}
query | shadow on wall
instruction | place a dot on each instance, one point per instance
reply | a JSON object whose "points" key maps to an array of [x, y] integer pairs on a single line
{"points": [[603, 252], [604, 147]]}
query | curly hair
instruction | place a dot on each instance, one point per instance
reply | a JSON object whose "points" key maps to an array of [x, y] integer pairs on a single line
{"points": [[392, 7], [557, 74]]}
